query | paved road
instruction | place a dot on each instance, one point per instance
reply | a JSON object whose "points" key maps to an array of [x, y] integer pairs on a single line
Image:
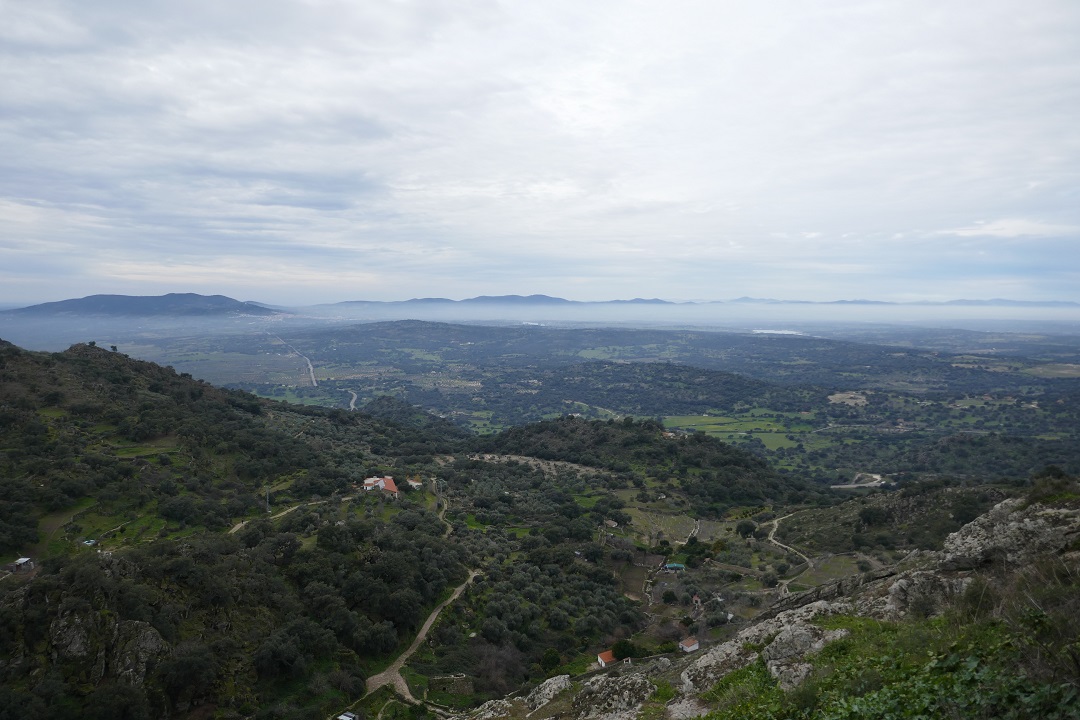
{"points": [[310, 367], [392, 674]]}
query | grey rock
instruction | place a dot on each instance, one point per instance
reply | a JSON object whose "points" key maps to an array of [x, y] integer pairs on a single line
{"points": [[546, 691], [785, 654], [686, 709], [1011, 533], [608, 696], [136, 644], [493, 709], [791, 627], [69, 636]]}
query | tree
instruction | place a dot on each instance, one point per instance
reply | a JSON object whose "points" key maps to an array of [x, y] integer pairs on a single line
{"points": [[626, 649], [550, 660], [746, 528]]}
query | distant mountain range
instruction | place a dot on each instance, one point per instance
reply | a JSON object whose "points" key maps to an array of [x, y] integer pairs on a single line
{"points": [[174, 304], [507, 300], [192, 304], [994, 302]]}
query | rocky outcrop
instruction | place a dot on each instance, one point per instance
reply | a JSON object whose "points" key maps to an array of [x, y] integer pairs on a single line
{"points": [[1012, 533], [837, 589], [782, 641], [612, 697], [69, 636], [494, 709], [106, 648], [136, 645], [686, 708], [546, 691], [918, 592], [785, 655]]}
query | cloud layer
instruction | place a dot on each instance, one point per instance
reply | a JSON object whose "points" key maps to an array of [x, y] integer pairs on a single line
{"points": [[321, 150]]}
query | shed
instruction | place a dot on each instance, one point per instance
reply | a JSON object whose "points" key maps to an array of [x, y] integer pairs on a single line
{"points": [[689, 645]]}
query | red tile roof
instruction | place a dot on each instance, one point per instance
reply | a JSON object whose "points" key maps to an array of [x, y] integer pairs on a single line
{"points": [[607, 657]]}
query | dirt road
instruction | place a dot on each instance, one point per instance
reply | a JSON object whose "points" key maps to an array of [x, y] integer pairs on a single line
{"points": [[772, 538], [392, 674]]}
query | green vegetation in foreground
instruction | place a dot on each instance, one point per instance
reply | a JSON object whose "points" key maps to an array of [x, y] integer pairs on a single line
{"points": [[1006, 649]]}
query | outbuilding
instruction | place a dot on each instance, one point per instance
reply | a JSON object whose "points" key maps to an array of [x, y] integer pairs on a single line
{"points": [[689, 645]]}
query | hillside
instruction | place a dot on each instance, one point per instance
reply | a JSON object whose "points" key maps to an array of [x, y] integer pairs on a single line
{"points": [[713, 475], [984, 627], [134, 439]]}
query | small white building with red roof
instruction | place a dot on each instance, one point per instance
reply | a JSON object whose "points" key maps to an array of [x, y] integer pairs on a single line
{"points": [[385, 483]]}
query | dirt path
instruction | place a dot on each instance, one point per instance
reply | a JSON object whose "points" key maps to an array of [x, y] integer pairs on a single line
{"points": [[858, 483], [392, 674], [443, 505], [695, 531], [352, 401], [284, 512], [783, 585]]}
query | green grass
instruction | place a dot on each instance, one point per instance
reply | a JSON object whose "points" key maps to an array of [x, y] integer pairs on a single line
{"points": [[674, 528], [587, 501], [828, 569], [1055, 370], [577, 666], [474, 524]]}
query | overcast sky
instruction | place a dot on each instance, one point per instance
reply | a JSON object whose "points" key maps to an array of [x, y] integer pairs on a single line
{"points": [[322, 150]]}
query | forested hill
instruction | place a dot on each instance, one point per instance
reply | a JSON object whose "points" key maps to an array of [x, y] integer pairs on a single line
{"points": [[93, 426], [120, 479], [713, 474]]}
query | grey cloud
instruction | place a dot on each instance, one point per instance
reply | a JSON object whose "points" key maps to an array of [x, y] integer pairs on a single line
{"points": [[618, 145]]}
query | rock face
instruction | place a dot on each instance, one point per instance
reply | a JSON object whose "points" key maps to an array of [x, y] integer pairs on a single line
{"points": [[835, 590], [494, 709], [610, 697], [546, 691], [70, 637], [919, 592], [785, 654], [136, 645], [1011, 533], [105, 647], [783, 642]]}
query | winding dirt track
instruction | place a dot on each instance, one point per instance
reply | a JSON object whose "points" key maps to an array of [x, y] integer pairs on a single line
{"points": [[772, 533], [392, 674]]}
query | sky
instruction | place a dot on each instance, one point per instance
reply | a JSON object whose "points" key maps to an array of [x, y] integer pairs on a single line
{"points": [[308, 151]]}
